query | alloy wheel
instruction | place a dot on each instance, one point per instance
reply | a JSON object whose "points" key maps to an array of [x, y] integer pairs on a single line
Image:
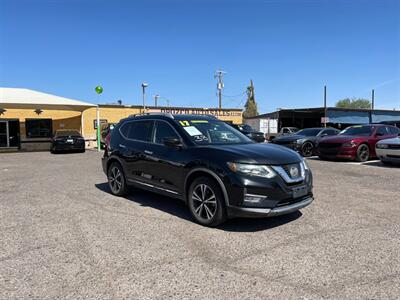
{"points": [[204, 201], [115, 179], [363, 153], [307, 149]]}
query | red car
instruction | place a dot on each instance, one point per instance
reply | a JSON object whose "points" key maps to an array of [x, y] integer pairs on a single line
{"points": [[355, 142]]}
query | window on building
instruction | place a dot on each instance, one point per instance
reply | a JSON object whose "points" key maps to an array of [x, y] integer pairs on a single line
{"points": [[38, 128]]}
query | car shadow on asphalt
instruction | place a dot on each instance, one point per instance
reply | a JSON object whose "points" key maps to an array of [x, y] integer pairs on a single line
{"points": [[378, 163], [177, 208]]}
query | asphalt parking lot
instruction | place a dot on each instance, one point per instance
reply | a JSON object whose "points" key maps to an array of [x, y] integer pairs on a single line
{"points": [[63, 235]]}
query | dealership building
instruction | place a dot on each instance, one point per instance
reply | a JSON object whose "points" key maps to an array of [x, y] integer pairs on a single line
{"points": [[28, 118]]}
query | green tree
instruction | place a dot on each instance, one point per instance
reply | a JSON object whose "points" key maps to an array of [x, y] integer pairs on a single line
{"points": [[354, 103], [251, 105]]}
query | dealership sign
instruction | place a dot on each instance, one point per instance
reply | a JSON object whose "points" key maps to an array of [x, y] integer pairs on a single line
{"points": [[199, 111], [324, 120]]}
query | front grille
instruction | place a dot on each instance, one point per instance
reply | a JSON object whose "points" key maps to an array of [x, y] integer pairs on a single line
{"points": [[293, 170], [329, 145], [394, 146], [393, 156]]}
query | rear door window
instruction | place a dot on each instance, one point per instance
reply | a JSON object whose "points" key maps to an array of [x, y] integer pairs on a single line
{"points": [[331, 131], [382, 130], [141, 131]]}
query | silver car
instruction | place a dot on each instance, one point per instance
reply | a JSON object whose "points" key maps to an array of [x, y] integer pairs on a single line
{"points": [[388, 150]]}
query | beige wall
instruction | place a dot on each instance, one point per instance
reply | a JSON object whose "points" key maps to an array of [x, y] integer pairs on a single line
{"points": [[62, 119], [111, 114]]}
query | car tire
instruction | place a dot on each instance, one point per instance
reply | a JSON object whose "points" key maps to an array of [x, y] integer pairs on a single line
{"points": [[362, 153], [206, 202], [307, 149], [116, 180], [386, 162]]}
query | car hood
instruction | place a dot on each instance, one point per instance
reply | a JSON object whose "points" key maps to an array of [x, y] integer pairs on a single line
{"points": [[340, 138], [264, 153], [289, 138], [255, 133], [393, 141]]}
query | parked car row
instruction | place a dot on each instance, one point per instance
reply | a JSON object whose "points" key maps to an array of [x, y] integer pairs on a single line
{"points": [[220, 172], [359, 142]]}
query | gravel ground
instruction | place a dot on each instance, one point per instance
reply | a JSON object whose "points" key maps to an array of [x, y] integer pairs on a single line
{"points": [[63, 235]]}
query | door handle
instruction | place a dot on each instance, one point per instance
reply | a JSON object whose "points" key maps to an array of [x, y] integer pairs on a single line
{"points": [[148, 152], [122, 146]]}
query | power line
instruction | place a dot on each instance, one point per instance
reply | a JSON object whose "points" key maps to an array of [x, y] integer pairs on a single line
{"points": [[235, 95]]}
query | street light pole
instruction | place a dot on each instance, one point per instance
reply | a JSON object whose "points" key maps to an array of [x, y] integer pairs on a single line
{"points": [[144, 86], [156, 100], [325, 108]]}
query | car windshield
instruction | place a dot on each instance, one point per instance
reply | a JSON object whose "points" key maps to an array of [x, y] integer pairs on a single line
{"points": [[212, 132], [293, 129], [247, 128], [60, 133], [357, 130], [308, 132]]}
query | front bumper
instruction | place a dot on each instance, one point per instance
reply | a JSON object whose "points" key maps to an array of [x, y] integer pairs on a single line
{"points": [[68, 146], [388, 154], [340, 153], [247, 212]]}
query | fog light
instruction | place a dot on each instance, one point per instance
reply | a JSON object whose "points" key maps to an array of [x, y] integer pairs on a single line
{"points": [[249, 198]]}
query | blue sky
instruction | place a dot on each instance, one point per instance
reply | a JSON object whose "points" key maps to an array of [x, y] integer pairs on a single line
{"points": [[290, 48]]}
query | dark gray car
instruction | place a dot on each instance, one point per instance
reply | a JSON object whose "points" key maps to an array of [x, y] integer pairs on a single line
{"points": [[305, 140]]}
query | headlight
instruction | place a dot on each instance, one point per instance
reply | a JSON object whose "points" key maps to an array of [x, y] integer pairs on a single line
{"points": [[382, 146], [252, 170], [350, 144]]}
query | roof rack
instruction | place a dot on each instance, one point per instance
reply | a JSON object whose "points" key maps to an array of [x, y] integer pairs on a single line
{"points": [[168, 115]]}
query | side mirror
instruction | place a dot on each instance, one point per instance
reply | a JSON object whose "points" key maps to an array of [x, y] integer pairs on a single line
{"points": [[324, 134], [172, 142]]}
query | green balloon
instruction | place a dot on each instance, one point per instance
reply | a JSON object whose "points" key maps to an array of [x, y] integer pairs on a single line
{"points": [[98, 89]]}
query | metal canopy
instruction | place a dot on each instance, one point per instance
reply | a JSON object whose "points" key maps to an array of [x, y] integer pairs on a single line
{"points": [[30, 99]]}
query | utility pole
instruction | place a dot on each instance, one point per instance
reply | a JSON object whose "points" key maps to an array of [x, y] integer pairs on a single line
{"points": [[325, 109], [373, 99], [156, 100], [220, 85]]}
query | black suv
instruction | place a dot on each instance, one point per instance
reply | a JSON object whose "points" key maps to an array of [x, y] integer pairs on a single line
{"points": [[248, 131], [215, 169]]}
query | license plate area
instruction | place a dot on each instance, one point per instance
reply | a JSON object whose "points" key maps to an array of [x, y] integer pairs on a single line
{"points": [[70, 141], [299, 191]]}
